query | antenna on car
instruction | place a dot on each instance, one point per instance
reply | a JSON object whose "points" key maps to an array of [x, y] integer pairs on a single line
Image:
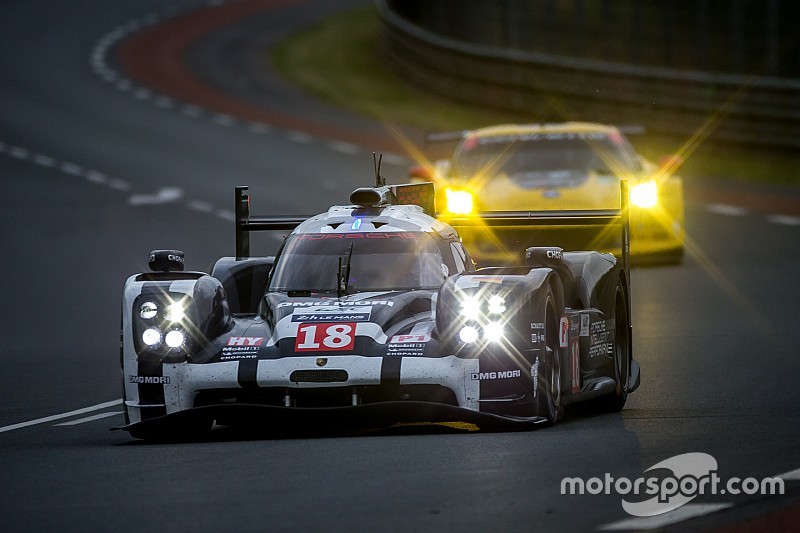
{"points": [[376, 160]]}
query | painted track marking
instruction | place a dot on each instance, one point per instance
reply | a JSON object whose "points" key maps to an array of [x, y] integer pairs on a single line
{"points": [[89, 418], [686, 512], [46, 419]]}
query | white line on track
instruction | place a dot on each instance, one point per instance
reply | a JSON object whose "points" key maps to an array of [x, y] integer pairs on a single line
{"points": [[19, 153], [224, 120], [729, 210], [784, 220], [299, 137], [89, 419], [345, 148], [46, 419], [793, 475], [201, 206], [692, 510]]}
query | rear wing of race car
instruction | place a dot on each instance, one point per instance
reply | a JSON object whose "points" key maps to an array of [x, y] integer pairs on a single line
{"points": [[421, 194], [602, 218]]}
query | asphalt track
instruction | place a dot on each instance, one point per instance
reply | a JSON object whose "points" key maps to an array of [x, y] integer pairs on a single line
{"points": [[98, 167]]}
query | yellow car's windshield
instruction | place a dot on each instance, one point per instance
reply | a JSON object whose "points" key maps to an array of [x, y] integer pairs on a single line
{"points": [[545, 159]]}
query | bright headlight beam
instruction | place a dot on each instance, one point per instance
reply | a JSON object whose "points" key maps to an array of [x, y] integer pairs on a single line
{"points": [[459, 202], [175, 312], [468, 334], [493, 332], [470, 308], [151, 337], [497, 305], [644, 195], [174, 339]]}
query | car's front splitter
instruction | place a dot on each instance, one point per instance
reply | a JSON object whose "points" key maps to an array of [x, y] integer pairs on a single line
{"points": [[382, 415]]}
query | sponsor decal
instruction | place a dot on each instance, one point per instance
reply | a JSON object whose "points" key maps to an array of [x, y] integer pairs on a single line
{"points": [[335, 304], [245, 341], [325, 337], [408, 345], [322, 361], [241, 348], [503, 374], [347, 236], [149, 380], [333, 314], [601, 339], [563, 332], [535, 376], [575, 356], [555, 254], [400, 339], [584, 325]]}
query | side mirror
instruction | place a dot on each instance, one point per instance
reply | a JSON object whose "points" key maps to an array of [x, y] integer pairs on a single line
{"points": [[166, 261]]}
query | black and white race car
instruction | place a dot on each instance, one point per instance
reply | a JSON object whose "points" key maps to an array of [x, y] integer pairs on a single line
{"points": [[372, 315]]}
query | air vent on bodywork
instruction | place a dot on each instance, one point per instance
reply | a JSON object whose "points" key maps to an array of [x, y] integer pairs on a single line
{"points": [[318, 376]]}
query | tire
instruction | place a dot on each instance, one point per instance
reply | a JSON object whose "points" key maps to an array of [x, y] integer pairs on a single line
{"points": [[546, 373], [617, 301]]}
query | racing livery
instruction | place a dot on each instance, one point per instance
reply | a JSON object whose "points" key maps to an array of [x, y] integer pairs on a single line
{"points": [[374, 314], [572, 165]]}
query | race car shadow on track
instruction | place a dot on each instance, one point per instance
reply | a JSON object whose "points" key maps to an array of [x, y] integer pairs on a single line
{"points": [[246, 422]]}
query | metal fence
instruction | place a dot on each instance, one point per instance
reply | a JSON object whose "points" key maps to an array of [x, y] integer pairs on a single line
{"points": [[549, 60]]}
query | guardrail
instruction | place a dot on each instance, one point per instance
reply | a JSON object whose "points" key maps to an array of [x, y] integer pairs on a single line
{"points": [[732, 108]]}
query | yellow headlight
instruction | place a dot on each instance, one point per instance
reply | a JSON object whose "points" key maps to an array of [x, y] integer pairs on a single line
{"points": [[645, 194], [459, 202]]}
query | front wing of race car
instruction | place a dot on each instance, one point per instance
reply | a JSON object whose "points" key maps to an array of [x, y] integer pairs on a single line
{"points": [[184, 383]]}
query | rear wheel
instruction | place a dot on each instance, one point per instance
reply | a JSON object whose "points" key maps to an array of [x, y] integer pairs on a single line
{"points": [[546, 368], [618, 301]]}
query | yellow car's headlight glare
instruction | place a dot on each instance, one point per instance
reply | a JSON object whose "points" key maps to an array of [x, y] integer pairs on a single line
{"points": [[459, 202], [644, 195]]}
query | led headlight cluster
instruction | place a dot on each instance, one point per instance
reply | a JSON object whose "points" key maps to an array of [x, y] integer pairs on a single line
{"points": [[163, 324], [485, 318]]}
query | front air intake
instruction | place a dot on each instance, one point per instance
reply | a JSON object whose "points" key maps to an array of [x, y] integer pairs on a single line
{"points": [[318, 376]]}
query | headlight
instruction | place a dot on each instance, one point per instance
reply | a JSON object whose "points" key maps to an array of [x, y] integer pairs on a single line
{"points": [[468, 334], [151, 337], [497, 305], [471, 308], [148, 310], [645, 194], [174, 339], [493, 331], [459, 202], [175, 312]]}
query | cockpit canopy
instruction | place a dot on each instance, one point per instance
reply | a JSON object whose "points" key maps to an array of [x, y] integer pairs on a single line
{"points": [[371, 261]]}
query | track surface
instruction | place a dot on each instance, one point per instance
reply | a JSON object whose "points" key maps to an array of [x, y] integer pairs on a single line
{"points": [[97, 169]]}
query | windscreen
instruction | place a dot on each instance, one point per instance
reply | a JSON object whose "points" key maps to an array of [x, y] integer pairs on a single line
{"points": [[546, 159], [377, 261]]}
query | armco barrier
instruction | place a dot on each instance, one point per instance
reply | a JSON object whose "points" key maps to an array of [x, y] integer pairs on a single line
{"points": [[543, 87]]}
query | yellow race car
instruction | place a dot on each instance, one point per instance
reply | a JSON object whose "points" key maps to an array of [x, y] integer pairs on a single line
{"points": [[567, 166]]}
